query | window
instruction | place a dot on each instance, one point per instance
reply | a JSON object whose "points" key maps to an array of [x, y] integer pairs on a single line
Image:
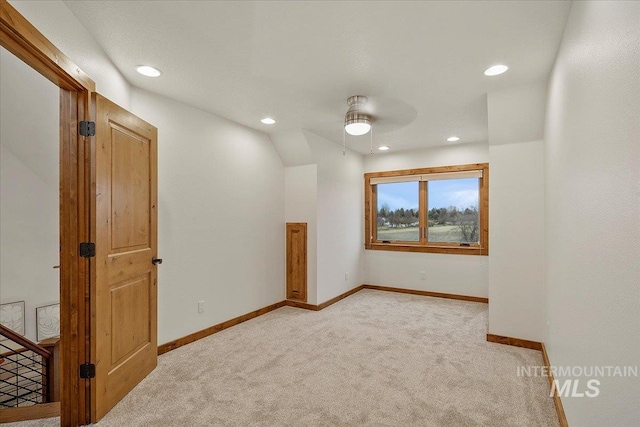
{"points": [[398, 213], [441, 210], [453, 215]]}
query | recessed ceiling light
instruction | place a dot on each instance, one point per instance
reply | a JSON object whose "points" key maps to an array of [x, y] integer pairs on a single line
{"points": [[495, 70], [268, 121], [453, 139], [148, 71], [383, 148]]}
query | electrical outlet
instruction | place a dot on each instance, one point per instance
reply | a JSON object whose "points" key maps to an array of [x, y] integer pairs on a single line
{"points": [[423, 275], [200, 306], [346, 276]]}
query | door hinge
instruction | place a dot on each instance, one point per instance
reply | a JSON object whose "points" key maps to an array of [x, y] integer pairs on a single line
{"points": [[87, 370], [87, 250], [87, 128]]}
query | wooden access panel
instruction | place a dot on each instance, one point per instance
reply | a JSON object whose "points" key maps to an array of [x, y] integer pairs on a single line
{"points": [[297, 261], [125, 338]]}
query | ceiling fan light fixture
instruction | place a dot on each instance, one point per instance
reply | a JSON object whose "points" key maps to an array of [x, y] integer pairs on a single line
{"points": [[357, 129], [357, 124]]}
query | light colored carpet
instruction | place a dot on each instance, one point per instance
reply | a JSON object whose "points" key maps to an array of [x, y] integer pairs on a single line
{"points": [[375, 358]]}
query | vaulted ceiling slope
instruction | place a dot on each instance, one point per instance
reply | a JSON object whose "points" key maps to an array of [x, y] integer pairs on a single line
{"points": [[299, 61]]}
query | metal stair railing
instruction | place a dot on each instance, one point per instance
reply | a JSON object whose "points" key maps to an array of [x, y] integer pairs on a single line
{"points": [[25, 371]]}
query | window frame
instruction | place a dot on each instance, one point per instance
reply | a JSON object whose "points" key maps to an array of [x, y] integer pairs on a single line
{"points": [[371, 211]]}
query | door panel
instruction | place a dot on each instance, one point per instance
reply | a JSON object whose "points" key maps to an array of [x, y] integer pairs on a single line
{"points": [[125, 293], [130, 328], [297, 261], [130, 168]]}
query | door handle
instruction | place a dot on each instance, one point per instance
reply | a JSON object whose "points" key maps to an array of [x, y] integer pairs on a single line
{"points": [[156, 261]]}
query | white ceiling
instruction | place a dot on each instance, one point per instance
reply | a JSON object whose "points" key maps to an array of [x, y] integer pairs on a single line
{"points": [[298, 61]]}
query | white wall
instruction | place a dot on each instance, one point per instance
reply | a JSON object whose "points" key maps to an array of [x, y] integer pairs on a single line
{"points": [[454, 154], [592, 160], [340, 217], [301, 205], [450, 274], [516, 211], [325, 189], [62, 28], [292, 147], [453, 274], [516, 236], [220, 220], [29, 198], [516, 114]]}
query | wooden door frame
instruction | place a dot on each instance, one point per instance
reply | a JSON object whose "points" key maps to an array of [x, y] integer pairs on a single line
{"points": [[77, 160]]}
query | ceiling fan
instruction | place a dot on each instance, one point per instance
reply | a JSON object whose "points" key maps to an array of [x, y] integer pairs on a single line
{"points": [[330, 119], [363, 111]]}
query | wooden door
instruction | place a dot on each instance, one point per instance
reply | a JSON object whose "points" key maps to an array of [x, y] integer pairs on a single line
{"points": [[124, 330], [297, 261]]}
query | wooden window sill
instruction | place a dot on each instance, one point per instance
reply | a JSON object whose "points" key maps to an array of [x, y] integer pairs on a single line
{"points": [[436, 249]]}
